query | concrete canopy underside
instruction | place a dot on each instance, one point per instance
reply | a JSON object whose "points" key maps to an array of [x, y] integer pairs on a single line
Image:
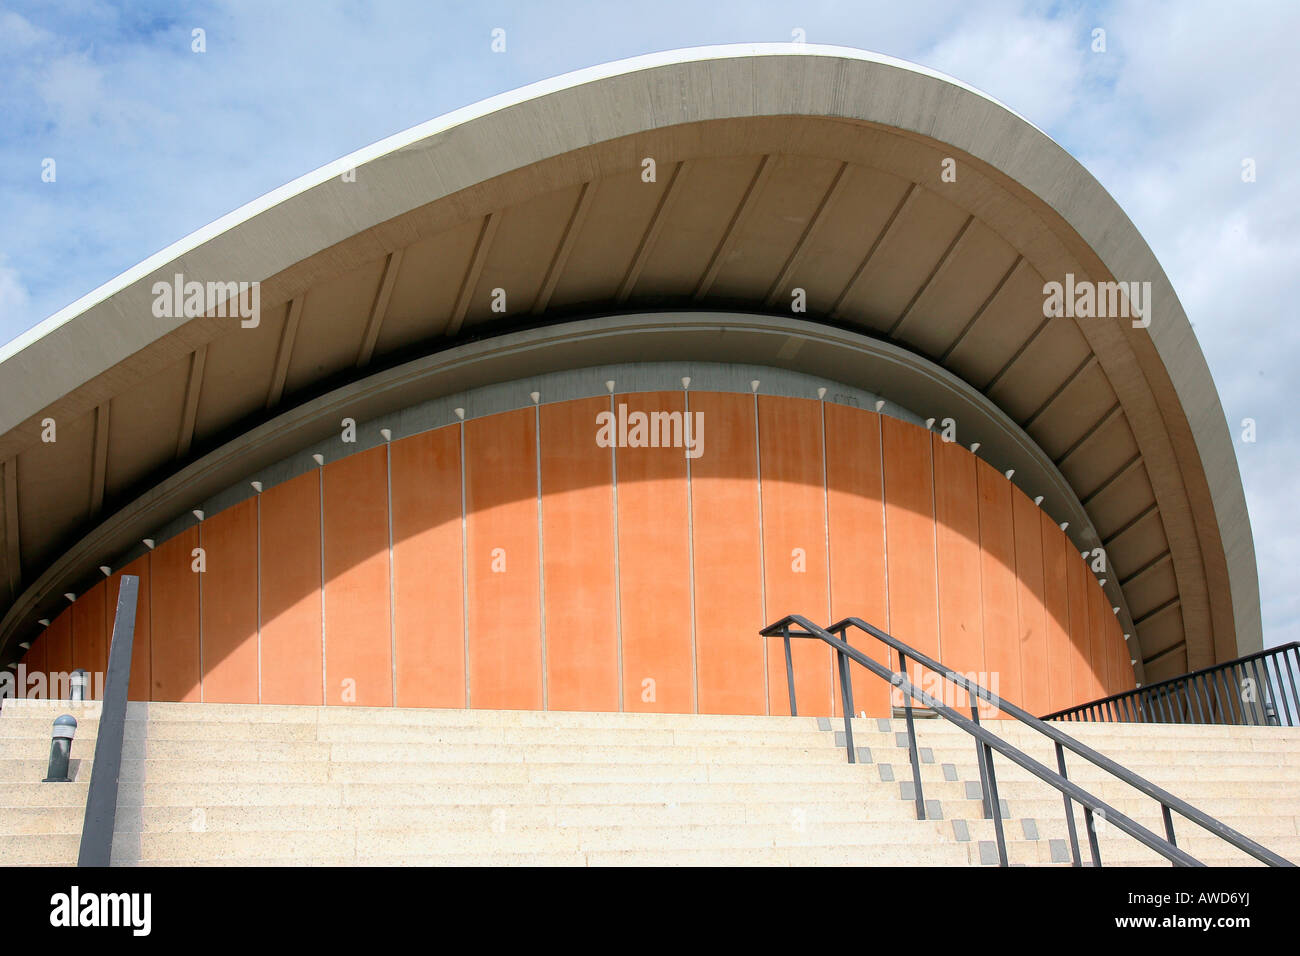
{"points": [[776, 168]]}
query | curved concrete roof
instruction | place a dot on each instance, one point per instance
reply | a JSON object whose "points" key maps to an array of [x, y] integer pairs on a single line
{"points": [[777, 166]]}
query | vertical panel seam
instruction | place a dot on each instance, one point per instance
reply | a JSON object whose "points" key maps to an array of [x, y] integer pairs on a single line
{"points": [[392, 572], [826, 529], [690, 544], [762, 556], [618, 578], [204, 559], [258, 502], [934, 536], [320, 504], [149, 562], [464, 564], [541, 554], [884, 550]]}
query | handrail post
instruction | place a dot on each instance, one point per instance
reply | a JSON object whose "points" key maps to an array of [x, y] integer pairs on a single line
{"points": [[1090, 825], [101, 796], [979, 759], [997, 808], [1069, 809], [911, 740], [789, 671], [1169, 824], [846, 703], [848, 677]]}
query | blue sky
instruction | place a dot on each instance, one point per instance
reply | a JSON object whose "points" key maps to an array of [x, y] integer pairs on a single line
{"points": [[153, 141]]}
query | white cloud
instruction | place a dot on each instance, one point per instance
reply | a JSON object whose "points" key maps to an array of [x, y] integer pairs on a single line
{"points": [[14, 300]]}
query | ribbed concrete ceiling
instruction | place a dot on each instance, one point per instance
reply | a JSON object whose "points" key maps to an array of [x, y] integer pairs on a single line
{"points": [[742, 210]]}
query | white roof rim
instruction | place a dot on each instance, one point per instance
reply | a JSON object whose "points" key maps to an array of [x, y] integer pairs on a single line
{"points": [[448, 121]]}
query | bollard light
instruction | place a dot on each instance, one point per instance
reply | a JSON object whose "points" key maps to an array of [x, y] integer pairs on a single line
{"points": [[78, 684], [61, 749]]}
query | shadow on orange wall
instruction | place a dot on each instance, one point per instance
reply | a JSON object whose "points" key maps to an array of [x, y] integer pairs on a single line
{"points": [[607, 578]]}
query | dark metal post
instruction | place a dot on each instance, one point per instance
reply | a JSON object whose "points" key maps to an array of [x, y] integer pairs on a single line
{"points": [[789, 671], [1291, 675], [77, 690], [997, 807], [101, 799], [911, 740], [1169, 824], [65, 728], [846, 703], [1069, 807], [1091, 826], [1275, 677], [979, 758]]}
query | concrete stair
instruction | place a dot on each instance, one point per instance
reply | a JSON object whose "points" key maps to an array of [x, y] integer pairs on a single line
{"points": [[208, 784]]}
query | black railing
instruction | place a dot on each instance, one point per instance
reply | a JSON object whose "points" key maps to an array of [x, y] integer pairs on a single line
{"points": [[1249, 690], [101, 797], [986, 743]]}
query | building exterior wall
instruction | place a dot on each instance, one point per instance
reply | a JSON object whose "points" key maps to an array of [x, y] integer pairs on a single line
{"points": [[512, 562]]}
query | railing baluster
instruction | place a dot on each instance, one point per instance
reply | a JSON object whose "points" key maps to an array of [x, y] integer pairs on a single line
{"points": [[1230, 701], [1169, 824], [979, 759], [846, 704], [997, 807], [1263, 692], [848, 677], [1203, 699], [1193, 701], [789, 672], [911, 740], [1091, 826], [1281, 688], [1291, 675], [1252, 706], [1069, 808]]}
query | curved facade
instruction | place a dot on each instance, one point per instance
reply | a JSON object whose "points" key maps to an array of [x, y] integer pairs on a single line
{"points": [[819, 221], [529, 559]]}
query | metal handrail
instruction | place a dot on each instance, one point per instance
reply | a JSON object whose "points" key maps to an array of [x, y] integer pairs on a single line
{"points": [[988, 742], [1200, 699]]}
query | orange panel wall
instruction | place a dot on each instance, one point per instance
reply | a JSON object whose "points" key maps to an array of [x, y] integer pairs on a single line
{"points": [[728, 575], [654, 565], [229, 605], [174, 594], [1098, 611], [291, 592], [1034, 694], [358, 611], [957, 528], [855, 505], [794, 546], [505, 628], [141, 646], [637, 580], [428, 569], [910, 539], [1083, 682], [998, 583], [578, 558], [1118, 669], [1056, 597], [90, 638]]}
